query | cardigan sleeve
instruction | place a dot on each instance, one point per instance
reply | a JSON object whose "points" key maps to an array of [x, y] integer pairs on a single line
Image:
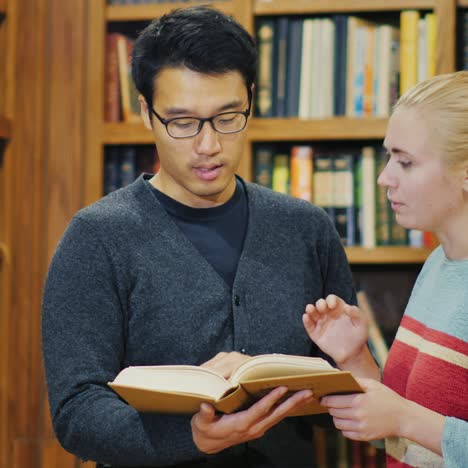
{"points": [[454, 446], [83, 333]]}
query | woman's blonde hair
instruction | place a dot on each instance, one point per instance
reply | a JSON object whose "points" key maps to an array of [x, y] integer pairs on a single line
{"points": [[443, 100]]}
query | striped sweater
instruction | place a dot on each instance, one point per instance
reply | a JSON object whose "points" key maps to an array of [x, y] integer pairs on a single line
{"points": [[428, 362]]}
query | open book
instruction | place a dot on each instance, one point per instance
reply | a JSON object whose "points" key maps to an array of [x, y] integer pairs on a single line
{"points": [[181, 389]]}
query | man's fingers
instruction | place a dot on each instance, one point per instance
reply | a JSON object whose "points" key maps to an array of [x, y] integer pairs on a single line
{"points": [[283, 410]]}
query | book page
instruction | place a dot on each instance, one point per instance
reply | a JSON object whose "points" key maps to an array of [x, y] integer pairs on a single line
{"points": [[276, 365], [180, 379]]}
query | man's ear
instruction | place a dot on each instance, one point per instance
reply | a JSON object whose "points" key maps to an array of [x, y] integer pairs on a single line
{"points": [[145, 112]]}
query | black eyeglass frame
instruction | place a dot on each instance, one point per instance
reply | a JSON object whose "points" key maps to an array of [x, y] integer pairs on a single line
{"points": [[202, 120]]}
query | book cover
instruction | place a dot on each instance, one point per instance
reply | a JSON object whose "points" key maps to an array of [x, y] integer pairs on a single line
{"points": [[181, 389]]}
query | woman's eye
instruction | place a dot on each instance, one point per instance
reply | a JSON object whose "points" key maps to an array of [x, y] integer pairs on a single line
{"points": [[404, 164]]}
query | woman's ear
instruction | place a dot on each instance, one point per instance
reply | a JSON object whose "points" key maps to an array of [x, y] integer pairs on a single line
{"points": [[144, 112]]}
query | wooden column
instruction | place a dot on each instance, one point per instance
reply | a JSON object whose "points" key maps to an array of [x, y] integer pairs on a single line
{"points": [[47, 154]]}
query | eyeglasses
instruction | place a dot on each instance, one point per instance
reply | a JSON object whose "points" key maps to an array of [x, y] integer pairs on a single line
{"points": [[186, 127]]}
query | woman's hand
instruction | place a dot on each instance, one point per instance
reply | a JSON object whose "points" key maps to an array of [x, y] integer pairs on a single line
{"points": [[337, 328], [376, 414]]}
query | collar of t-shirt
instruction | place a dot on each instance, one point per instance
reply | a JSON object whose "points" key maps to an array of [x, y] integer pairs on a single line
{"points": [[217, 233]]}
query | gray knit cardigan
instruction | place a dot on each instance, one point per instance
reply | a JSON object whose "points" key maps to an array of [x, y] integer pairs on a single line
{"points": [[126, 287]]}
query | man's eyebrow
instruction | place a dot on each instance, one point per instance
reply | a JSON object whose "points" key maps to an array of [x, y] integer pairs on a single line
{"points": [[176, 111]]}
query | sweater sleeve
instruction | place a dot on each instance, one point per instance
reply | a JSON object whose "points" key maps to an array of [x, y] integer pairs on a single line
{"points": [[83, 333], [454, 446]]}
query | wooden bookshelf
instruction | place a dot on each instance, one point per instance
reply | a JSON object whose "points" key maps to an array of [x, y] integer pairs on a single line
{"points": [[276, 129], [5, 127], [121, 133], [149, 11], [3, 7], [4, 255], [336, 128], [306, 7], [463, 3], [382, 255]]}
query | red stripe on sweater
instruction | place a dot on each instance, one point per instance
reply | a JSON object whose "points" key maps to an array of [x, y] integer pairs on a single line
{"points": [[427, 380], [434, 336]]}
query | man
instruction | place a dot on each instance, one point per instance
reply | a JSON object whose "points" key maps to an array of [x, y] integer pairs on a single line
{"points": [[190, 266]]}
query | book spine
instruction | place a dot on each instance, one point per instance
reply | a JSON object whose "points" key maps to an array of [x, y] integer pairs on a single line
{"points": [[343, 197], [301, 172], [409, 49], [280, 178], [293, 74], [112, 90], [281, 65], [265, 40], [368, 197], [264, 165], [323, 182]]}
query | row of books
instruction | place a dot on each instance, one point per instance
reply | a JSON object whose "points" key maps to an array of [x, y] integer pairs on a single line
{"points": [[340, 65], [120, 97], [123, 164], [343, 182]]}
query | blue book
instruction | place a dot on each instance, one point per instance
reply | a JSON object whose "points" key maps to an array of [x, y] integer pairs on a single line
{"points": [[340, 65], [127, 165], [111, 169], [293, 72], [281, 60]]}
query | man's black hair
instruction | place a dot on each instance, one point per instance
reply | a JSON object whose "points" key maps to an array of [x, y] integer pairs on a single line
{"points": [[200, 38]]}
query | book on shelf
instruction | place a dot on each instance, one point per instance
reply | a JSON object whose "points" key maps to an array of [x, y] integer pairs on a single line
{"points": [[377, 343], [266, 82], [181, 389], [408, 49], [301, 172], [128, 93]]}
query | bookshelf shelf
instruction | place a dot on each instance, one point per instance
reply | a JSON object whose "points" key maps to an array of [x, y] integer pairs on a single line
{"points": [[380, 255], [463, 3], [121, 133], [317, 129], [269, 130], [5, 127], [149, 11], [304, 7]]}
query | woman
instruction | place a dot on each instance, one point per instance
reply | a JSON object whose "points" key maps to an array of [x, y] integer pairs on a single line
{"points": [[421, 408]]}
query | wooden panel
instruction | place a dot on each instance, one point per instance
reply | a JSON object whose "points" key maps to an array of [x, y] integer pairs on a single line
{"points": [[361, 255], [24, 454], [319, 129], [93, 171], [445, 45], [150, 11], [5, 127], [284, 7], [53, 456]]}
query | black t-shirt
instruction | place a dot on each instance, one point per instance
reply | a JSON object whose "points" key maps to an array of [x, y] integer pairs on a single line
{"points": [[218, 233]]}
